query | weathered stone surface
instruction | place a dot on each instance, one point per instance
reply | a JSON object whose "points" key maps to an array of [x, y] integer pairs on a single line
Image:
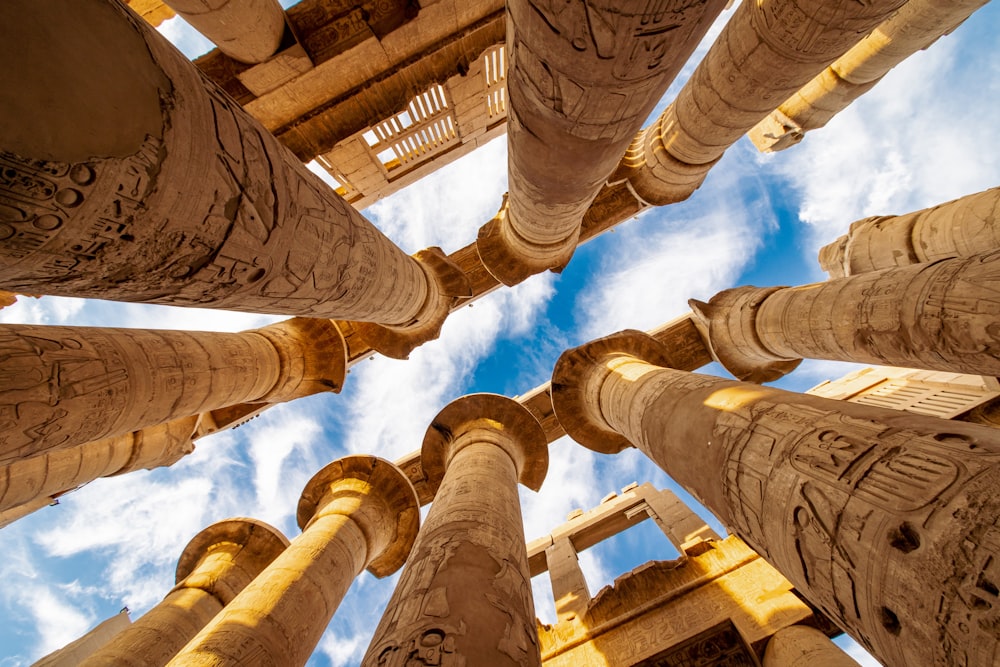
{"points": [[934, 316], [735, 86], [63, 386], [800, 644], [216, 565], [886, 521], [916, 26], [358, 512], [249, 31], [139, 182], [963, 227], [464, 596], [74, 653], [583, 78]]}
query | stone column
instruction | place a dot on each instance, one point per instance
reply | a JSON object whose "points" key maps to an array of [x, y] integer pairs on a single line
{"points": [[766, 52], [917, 25], [939, 316], [358, 512], [960, 228], [569, 587], [889, 522], [51, 474], [464, 597], [126, 176], [799, 645], [216, 565], [72, 654], [249, 31], [63, 386], [583, 77]]}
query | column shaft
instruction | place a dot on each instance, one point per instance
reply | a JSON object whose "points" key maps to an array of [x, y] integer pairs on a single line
{"points": [[246, 30], [465, 591], [581, 82], [766, 52], [799, 645], [62, 386], [963, 227], [216, 565], [55, 472], [938, 316], [917, 25], [889, 522], [279, 618], [128, 177], [357, 512]]}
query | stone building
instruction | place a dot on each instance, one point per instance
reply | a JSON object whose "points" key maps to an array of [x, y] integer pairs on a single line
{"points": [[131, 174]]}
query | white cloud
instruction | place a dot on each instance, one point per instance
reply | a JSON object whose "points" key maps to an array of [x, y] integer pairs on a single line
{"points": [[671, 255], [58, 620], [188, 41]]}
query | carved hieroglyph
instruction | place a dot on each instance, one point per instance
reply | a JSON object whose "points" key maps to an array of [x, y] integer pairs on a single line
{"points": [[766, 52], [888, 522], [917, 25], [216, 565], [937, 316], [128, 177], [464, 597], [53, 473], [246, 30], [358, 512], [963, 227], [583, 77], [62, 386]]}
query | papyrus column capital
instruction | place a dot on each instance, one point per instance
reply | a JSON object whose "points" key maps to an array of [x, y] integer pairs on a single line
{"points": [[729, 325], [377, 496], [486, 418], [312, 357], [223, 558], [577, 379]]}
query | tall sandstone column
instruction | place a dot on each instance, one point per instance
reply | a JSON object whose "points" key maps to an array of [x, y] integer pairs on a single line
{"points": [[358, 512], [799, 645], [249, 31], [766, 52], [53, 473], [940, 316], [889, 522], [125, 175], [464, 597], [917, 25], [216, 565], [63, 386], [582, 79], [963, 227]]}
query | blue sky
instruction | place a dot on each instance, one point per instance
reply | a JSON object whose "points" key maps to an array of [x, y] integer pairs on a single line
{"points": [[928, 133]]}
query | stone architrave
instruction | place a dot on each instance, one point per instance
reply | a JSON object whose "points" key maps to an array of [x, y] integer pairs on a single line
{"points": [[963, 227], [126, 176], [464, 597], [216, 565], [64, 386], [799, 645], [51, 474], [917, 25], [569, 586], [358, 512], [249, 31], [767, 51], [888, 522], [935, 316], [582, 79]]}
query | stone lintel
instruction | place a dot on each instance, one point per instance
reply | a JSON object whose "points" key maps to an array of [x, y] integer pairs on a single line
{"points": [[451, 283], [575, 393], [390, 524], [729, 323], [464, 421], [253, 544]]}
